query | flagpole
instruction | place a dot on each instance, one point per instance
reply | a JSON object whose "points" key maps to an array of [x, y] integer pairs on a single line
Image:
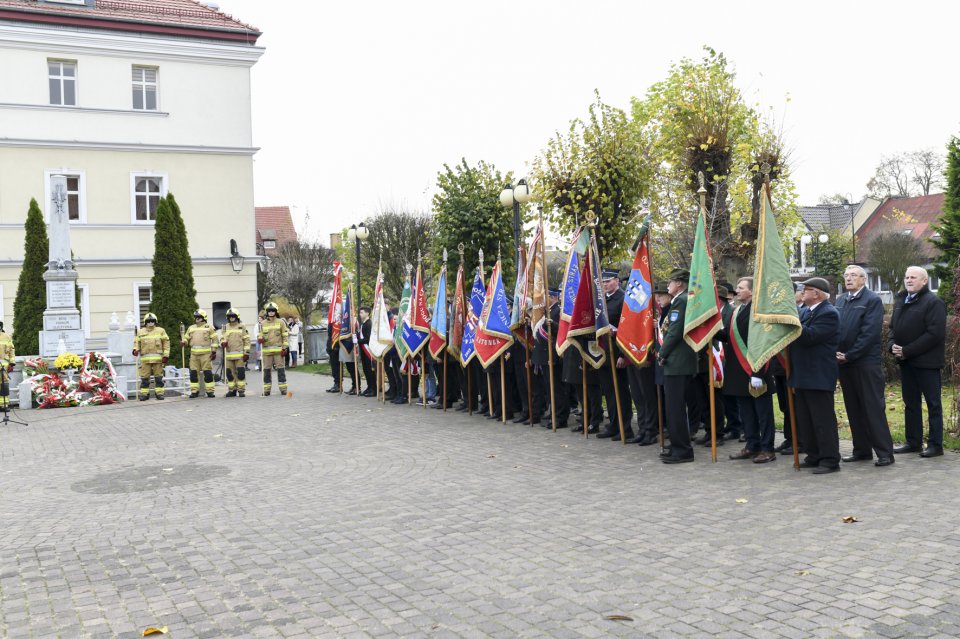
{"points": [[711, 379], [423, 379], [503, 388], [765, 168], [546, 304], [469, 393], [583, 375]]}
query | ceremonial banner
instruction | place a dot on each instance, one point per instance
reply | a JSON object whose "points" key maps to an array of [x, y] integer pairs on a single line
{"points": [[635, 334], [493, 331], [381, 337], [415, 328], [347, 328], [477, 297], [588, 322], [570, 285], [459, 316], [774, 322], [398, 322], [334, 312], [702, 320], [438, 323], [534, 281], [519, 292]]}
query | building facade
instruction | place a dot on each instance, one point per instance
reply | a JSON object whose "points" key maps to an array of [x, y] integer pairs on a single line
{"points": [[129, 101]]}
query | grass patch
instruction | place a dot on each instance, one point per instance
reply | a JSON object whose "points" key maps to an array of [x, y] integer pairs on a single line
{"points": [[894, 415], [322, 368]]}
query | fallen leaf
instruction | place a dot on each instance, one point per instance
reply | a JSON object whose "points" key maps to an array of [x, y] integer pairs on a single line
{"points": [[218, 435], [564, 445], [619, 618], [850, 519], [289, 394], [295, 415], [742, 501], [168, 470], [803, 573], [162, 630]]}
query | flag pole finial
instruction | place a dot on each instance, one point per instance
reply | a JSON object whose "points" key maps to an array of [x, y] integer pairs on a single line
{"points": [[444, 255], [480, 255], [409, 270], [590, 218], [419, 257], [702, 181], [460, 249]]}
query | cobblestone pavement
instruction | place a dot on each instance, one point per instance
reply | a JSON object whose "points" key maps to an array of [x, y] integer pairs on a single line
{"points": [[329, 516]]}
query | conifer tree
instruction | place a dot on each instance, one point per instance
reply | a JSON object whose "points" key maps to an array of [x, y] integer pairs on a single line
{"points": [[174, 294], [948, 244], [31, 300]]}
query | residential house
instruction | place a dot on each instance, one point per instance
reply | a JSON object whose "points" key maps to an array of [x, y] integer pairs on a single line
{"points": [[129, 100], [914, 216], [274, 229], [845, 218]]}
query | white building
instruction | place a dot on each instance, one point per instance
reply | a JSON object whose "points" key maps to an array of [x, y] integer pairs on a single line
{"points": [[129, 100]]}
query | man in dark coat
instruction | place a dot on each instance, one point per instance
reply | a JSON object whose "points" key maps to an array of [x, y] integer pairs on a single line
{"points": [[753, 389], [813, 376], [333, 353], [617, 367], [918, 330], [679, 363], [366, 359], [541, 362], [861, 373]]}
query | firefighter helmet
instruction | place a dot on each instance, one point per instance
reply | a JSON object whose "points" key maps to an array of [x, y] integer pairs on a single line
{"points": [[200, 313], [149, 317], [232, 312], [271, 306]]}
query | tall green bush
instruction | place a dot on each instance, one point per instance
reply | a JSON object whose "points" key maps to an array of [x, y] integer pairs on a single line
{"points": [[31, 300], [174, 294]]}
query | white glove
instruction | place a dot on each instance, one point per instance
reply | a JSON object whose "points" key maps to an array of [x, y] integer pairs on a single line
{"points": [[354, 339], [756, 382]]}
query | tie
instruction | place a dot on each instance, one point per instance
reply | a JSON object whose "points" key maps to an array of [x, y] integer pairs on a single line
{"points": [[910, 298], [804, 314]]}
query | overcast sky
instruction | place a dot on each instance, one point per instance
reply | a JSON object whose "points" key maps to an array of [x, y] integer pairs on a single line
{"points": [[359, 104]]}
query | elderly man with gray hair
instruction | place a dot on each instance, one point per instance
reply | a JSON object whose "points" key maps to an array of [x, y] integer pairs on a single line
{"points": [[813, 376], [861, 373], [917, 337]]}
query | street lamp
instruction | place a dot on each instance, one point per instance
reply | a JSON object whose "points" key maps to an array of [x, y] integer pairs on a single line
{"points": [[358, 233], [236, 260], [805, 240], [515, 196]]}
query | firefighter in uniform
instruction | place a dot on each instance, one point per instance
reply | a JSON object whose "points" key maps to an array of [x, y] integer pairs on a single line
{"points": [[236, 348], [273, 347], [7, 358], [153, 347], [202, 339]]}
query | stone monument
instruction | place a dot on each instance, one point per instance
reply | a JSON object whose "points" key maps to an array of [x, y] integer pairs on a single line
{"points": [[61, 320]]}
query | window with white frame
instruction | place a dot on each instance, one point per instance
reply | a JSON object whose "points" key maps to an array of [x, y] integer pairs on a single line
{"points": [[62, 76], [144, 88], [146, 192], [76, 192], [143, 295]]}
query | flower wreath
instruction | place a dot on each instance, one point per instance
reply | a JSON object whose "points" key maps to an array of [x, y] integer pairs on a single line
{"points": [[96, 378]]}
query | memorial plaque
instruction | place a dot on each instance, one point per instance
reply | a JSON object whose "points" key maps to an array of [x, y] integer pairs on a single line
{"points": [[70, 322], [50, 341], [61, 295]]}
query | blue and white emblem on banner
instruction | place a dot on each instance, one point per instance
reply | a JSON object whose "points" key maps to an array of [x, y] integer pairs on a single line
{"points": [[638, 292]]}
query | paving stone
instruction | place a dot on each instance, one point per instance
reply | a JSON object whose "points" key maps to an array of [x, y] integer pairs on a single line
{"points": [[328, 516]]}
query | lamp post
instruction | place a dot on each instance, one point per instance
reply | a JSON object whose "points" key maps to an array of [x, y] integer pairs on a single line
{"points": [[358, 233], [515, 196], [821, 239], [236, 260]]}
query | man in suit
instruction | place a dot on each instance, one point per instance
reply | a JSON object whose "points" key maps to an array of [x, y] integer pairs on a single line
{"points": [[617, 368], [813, 376], [679, 363], [861, 374], [918, 330], [753, 389], [366, 359], [541, 362]]}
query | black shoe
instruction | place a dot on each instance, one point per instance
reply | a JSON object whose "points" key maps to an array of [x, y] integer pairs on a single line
{"points": [[210, 394], [703, 439], [884, 461], [560, 424], [194, 395], [438, 406], [635, 440], [241, 393], [367, 393], [720, 442], [731, 435], [334, 389], [593, 430], [786, 451], [824, 470], [807, 464], [461, 408], [231, 393], [389, 397], [352, 391], [856, 458], [483, 408], [144, 398], [398, 400], [648, 439], [742, 438], [932, 451], [677, 460], [784, 445], [607, 434], [906, 448], [666, 453], [160, 397], [523, 418], [266, 393]]}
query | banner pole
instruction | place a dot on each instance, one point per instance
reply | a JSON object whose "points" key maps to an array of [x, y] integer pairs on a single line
{"points": [[583, 375], [713, 407], [616, 389]]}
